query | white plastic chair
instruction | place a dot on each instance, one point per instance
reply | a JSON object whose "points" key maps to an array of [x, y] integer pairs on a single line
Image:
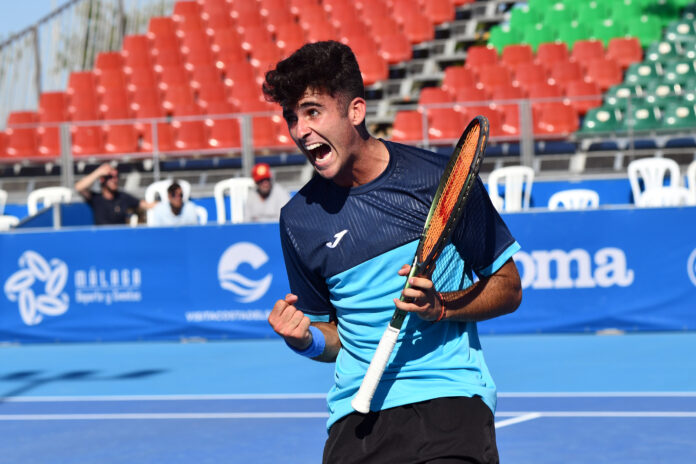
{"points": [[665, 196], [47, 196], [574, 199], [202, 215], [517, 182], [3, 201], [691, 181], [238, 188], [652, 171], [158, 191], [7, 222]]}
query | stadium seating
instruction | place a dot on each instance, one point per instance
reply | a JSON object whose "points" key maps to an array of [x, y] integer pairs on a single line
{"points": [[516, 182], [574, 199], [237, 190], [47, 196], [651, 173]]}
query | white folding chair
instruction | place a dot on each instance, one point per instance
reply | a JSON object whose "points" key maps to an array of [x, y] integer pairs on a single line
{"points": [[517, 183], [3, 201], [7, 222], [238, 188], [47, 196], [691, 181], [652, 173], [664, 196], [158, 191], [202, 215], [574, 199]]}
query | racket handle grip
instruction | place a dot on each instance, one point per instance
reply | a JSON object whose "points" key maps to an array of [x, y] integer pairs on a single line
{"points": [[361, 401]]}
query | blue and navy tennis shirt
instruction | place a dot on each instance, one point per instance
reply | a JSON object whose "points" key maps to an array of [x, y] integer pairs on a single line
{"points": [[343, 248]]}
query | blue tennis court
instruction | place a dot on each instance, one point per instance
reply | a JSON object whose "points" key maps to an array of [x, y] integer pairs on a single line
{"points": [[564, 398]]}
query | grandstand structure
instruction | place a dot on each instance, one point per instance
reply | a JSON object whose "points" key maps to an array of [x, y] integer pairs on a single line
{"points": [[572, 88]]}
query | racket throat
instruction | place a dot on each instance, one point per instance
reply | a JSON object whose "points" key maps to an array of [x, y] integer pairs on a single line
{"points": [[399, 316]]}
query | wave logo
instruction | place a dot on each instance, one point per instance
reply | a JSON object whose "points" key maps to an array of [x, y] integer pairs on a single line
{"points": [[246, 289], [691, 267], [20, 287]]}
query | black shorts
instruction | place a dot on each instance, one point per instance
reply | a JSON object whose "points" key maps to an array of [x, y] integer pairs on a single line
{"points": [[443, 430]]}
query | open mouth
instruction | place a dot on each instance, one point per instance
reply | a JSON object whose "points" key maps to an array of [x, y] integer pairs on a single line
{"points": [[319, 151]]}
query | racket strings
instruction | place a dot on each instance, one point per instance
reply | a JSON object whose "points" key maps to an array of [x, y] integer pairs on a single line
{"points": [[449, 197]]}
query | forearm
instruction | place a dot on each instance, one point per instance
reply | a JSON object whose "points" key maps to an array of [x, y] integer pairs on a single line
{"points": [[490, 297], [86, 182], [333, 343]]}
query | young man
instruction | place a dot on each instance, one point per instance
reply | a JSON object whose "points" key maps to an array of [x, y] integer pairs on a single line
{"points": [[264, 203], [346, 236], [176, 211], [110, 205]]}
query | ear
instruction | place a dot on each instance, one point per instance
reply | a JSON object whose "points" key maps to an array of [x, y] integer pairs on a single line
{"points": [[357, 109]]}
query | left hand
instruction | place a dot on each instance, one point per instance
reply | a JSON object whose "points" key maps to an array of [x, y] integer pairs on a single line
{"points": [[422, 297]]}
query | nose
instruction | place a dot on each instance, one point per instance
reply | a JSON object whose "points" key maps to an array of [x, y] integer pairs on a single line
{"points": [[303, 129]]}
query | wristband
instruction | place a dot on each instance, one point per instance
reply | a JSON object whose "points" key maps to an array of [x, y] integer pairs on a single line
{"points": [[316, 347], [442, 307]]}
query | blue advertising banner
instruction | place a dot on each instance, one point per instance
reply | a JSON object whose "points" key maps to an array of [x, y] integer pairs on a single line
{"points": [[627, 269]]}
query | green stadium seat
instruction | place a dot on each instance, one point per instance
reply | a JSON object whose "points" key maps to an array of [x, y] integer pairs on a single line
{"points": [[620, 95], [679, 70], [500, 36], [643, 73], [680, 30], [539, 34], [662, 94], [608, 29], [558, 13], [647, 28], [642, 117], [522, 18], [663, 51], [572, 33], [601, 120], [591, 13], [679, 116]]}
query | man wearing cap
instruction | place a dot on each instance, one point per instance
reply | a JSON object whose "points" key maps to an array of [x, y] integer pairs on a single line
{"points": [[264, 203]]}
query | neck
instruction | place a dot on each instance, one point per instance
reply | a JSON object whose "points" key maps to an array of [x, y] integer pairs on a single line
{"points": [[371, 162], [108, 194], [176, 209]]}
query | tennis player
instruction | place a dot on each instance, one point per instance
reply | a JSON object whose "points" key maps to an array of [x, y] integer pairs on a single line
{"points": [[345, 237]]}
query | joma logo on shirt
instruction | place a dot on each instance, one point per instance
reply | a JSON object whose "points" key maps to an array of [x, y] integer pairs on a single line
{"points": [[338, 237]]}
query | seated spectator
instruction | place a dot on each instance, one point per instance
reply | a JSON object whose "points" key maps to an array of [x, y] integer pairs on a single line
{"points": [[109, 205], [176, 211], [264, 203]]}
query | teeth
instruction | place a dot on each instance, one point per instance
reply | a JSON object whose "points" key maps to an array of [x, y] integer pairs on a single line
{"points": [[313, 146]]}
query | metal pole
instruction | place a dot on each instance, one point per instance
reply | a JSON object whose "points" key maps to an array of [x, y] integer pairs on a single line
{"points": [[37, 61], [247, 145], [66, 158], [155, 153], [526, 134]]}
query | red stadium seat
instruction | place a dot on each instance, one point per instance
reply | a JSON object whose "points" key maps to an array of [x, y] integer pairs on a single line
{"points": [[556, 119], [137, 52], [190, 135], [511, 120], [528, 74], [494, 75], [516, 54], [478, 56], [471, 94], [550, 53], [53, 107], [544, 93], [166, 58], [588, 50], [204, 75], [563, 72], [373, 67], [87, 140], [265, 132], [161, 30], [223, 132], [395, 48], [176, 97], [121, 138], [289, 37], [439, 11], [408, 126], [434, 95], [82, 92], [3, 144], [115, 104], [625, 51], [503, 95], [605, 72], [173, 76], [22, 142], [417, 28], [445, 124], [109, 60], [165, 138], [111, 79], [212, 92], [583, 95], [458, 76], [275, 12], [197, 50], [247, 15]]}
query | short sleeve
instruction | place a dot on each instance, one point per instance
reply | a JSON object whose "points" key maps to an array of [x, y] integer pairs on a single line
{"points": [[310, 288]]}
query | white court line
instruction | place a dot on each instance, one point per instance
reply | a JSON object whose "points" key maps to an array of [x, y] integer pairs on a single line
{"points": [[517, 417], [517, 420], [165, 416], [291, 396]]}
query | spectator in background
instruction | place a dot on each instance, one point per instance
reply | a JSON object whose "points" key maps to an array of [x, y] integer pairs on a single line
{"points": [[110, 205], [264, 203], [176, 211]]}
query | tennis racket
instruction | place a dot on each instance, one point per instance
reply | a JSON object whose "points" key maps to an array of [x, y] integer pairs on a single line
{"points": [[446, 209]]}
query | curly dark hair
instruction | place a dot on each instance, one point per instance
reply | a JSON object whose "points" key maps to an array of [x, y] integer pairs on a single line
{"points": [[327, 66]]}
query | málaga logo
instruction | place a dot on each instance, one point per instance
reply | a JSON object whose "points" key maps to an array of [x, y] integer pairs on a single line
{"points": [[246, 289], [37, 287]]}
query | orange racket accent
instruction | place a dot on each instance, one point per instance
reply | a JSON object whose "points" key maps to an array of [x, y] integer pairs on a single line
{"points": [[450, 194]]}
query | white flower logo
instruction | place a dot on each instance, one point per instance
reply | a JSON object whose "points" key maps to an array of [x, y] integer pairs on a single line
{"points": [[20, 287], [246, 289]]}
